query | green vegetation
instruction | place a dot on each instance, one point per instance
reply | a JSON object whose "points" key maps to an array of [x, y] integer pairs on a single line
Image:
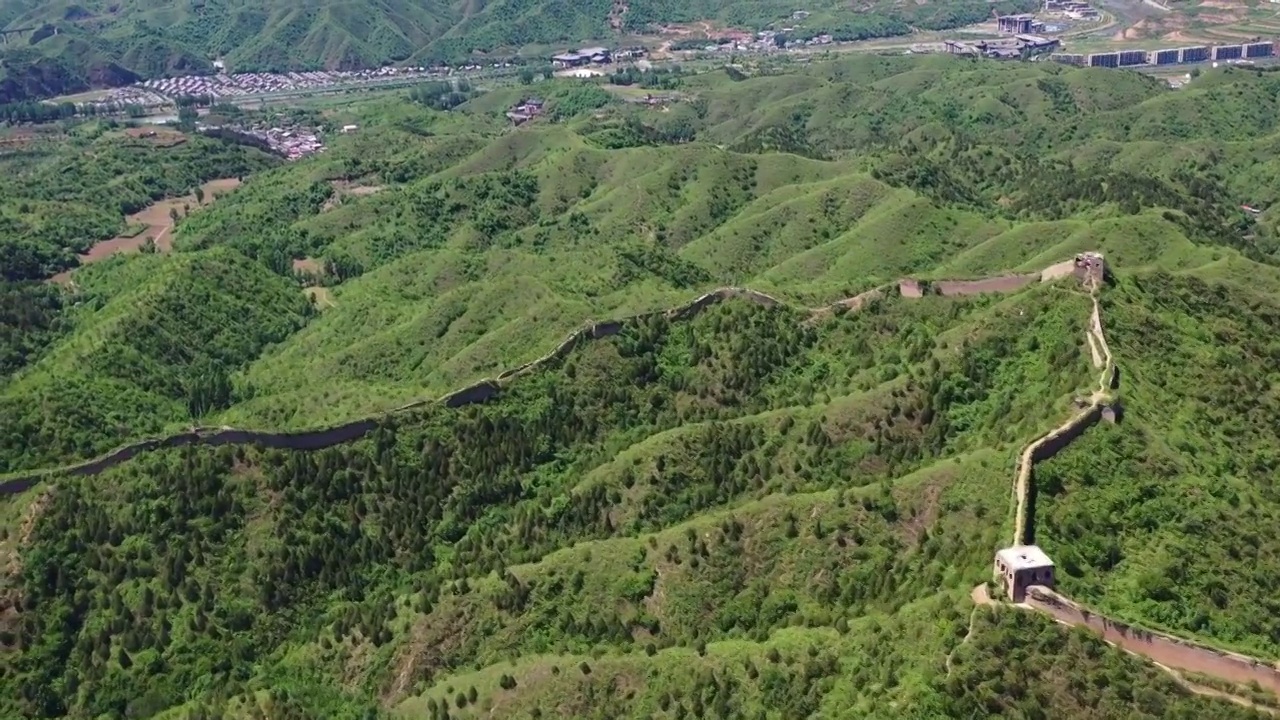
{"points": [[60, 202], [755, 511], [1158, 518], [160, 350]]}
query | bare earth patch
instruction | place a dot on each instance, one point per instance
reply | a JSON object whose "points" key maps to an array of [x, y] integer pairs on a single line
{"points": [[343, 189], [321, 297], [158, 221], [307, 264], [158, 136]]}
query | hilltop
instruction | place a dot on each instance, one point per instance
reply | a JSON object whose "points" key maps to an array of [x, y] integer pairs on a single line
{"points": [[773, 505]]}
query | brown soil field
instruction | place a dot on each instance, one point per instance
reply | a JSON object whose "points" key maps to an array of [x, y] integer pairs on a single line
{"points": [[310, 265], [159, 136], [159, 225]]}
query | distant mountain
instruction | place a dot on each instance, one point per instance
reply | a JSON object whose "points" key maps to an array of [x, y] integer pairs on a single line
{"points": [[62, 46]]}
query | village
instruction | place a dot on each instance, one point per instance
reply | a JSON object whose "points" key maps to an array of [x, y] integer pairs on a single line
{"points": [[292, 141], [162, 91]]}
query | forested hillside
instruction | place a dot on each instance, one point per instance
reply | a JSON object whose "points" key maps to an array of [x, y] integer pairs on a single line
{"points": [[57, 200], [756, 501], [756, 510]]}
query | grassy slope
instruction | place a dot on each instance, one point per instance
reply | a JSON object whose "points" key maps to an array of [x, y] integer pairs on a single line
{"points": [[809, 231], [372, 574], [61, 197], [790, 515], [98, 41], [1159, 519], [487, 245], [144, 340]]}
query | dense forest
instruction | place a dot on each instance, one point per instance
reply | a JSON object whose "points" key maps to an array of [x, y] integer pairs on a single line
{"points": [[432, 505], [745, 512]]}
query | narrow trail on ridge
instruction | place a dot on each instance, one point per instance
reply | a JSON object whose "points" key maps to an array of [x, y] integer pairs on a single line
{"points": [[980, 597]]}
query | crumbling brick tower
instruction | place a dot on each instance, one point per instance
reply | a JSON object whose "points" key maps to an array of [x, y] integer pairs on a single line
{"points": [[1090, 269]]}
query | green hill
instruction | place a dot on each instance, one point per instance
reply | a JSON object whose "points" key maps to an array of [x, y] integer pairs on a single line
{"points": [[61, 197], [484, 246], [741, 513], [756, 510], [156, 350]]}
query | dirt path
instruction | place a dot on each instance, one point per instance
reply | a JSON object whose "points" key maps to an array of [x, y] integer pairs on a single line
{"points": [[1093, 350], [980, 597], [159, 225], [1207, 691]]}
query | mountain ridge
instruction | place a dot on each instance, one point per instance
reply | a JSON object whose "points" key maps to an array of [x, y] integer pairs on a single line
{"points": [[484, 389]]}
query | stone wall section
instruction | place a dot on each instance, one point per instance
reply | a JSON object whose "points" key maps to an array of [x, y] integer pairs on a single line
{"points": [[1163, 648], [1042, 449], [483, 390]]}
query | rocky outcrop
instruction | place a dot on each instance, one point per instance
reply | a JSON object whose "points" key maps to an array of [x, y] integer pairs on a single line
{"points": [[484, 390]]}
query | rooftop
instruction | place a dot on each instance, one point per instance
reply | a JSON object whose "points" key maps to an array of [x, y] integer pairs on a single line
{"points": [[1023, 557]]}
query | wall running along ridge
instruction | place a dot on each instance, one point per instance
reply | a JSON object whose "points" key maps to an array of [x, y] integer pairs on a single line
{"points": [[1162, 648], [481, 391], [1056, 440]]}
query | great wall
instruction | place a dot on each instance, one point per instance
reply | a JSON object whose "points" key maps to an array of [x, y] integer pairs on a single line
{"points": [[488, 388], [1167, 651]]}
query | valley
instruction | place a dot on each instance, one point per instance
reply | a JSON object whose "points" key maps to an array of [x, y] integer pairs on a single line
{"points": [[718, 408]]}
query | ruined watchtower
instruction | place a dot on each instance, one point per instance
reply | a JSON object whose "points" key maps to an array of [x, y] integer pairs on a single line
{"points": [[1020, 567], [1090, 269]]}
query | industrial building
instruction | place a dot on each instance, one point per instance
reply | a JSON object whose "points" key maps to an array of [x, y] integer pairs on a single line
{"points": [[1228, 52], [585, 56], [1034, 44], [1129, 58], [1015, 24], [1194, 54], [1168, 56], [1107, 60], [1018, 47], [1072, 9], [1259, 49]]}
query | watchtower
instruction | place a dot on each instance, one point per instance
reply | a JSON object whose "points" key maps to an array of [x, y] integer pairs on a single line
{"points": [[1090, 268], [1021, 566]]}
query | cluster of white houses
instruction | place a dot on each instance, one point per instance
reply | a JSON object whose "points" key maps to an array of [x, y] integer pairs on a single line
{"points": [[582, 56]]}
